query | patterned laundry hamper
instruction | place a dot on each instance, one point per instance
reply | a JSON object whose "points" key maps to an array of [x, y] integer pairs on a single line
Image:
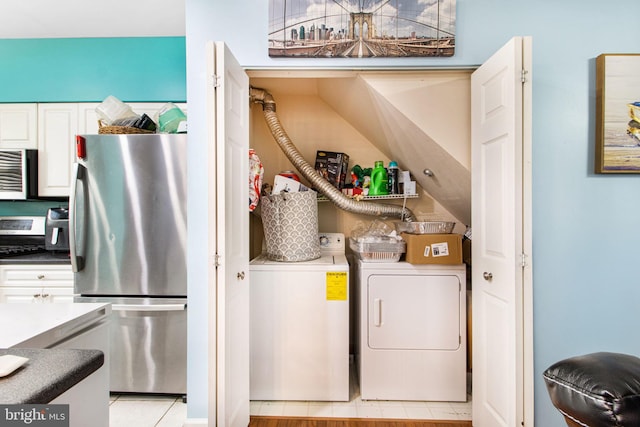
{"points": [[290, 223]]}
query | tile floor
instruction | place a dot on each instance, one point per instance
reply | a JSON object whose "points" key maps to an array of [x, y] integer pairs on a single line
{"points": [[165, 411], [358, 408], [366, 409], [146, 411]]}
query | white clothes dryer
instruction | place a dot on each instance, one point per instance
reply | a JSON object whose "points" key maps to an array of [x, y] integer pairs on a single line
{"points": [[412, 331], [299, 326]]}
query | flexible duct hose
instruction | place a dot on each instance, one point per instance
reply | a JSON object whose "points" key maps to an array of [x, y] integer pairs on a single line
{"points": [[343, 202]]}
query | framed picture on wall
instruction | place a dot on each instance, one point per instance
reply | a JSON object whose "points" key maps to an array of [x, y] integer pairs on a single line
{"points": [[361, 29], [618, 113]]}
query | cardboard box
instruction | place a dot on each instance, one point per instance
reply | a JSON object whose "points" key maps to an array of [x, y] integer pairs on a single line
{"points": [[466, 251], [433, 248], [333, 166]]}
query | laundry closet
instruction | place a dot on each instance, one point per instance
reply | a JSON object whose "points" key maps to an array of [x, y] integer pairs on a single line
{"points": [[484, 115], [421, 120], [432, 123]]}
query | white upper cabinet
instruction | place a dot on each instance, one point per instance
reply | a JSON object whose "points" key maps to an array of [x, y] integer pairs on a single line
{"points": [[57, 128], [87, 118], [51, 129], [88, 121], [19, 126], [152, 109]]}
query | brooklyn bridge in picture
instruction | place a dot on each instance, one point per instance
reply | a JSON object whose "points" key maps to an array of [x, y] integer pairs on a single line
{"points": [[361, 28]]}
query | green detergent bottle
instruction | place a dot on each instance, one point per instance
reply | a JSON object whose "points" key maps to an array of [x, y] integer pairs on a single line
{"points": [[379, 180]]}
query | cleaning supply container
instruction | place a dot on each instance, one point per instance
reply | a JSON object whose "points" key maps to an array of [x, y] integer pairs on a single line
{"points": [[379, 180], [393, 172]]}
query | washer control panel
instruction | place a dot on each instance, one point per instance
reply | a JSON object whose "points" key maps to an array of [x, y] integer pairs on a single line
{"points": [[331, 242]]}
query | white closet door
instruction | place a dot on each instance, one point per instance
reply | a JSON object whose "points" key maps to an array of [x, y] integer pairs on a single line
{"points": [[499, 108], [228, 112]]}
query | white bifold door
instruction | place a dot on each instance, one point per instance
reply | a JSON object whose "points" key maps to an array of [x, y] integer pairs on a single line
{"points": [[228, 254], [501, 220]]}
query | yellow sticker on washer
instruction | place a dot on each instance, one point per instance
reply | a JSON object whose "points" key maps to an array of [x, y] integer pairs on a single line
{"points": [[336, 286]]}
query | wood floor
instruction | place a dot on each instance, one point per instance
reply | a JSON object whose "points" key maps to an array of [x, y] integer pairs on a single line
{"points": [[260, 421]]}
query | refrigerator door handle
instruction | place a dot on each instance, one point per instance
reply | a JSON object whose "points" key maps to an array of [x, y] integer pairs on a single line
{"points": [[77, 259], [148, 307]]}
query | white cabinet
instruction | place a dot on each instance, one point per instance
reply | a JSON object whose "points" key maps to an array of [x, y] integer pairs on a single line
{"points": [[37, 283], [58, 124], [57, 127], [19, 126], [51, 128], [87, 118]]}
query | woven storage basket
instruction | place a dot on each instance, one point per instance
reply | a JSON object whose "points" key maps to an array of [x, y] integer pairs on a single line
{"points": [[290, 222], [102, 129]]}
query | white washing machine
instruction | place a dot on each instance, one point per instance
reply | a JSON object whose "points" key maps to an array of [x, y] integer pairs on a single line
{"points": [[299, 326], [412, 331]]}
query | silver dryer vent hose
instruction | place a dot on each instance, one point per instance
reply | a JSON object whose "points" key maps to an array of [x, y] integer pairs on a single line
{"points": [[261, 96]]}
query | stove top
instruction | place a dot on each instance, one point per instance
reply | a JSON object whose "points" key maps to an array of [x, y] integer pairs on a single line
{"points": [[16, 250]]}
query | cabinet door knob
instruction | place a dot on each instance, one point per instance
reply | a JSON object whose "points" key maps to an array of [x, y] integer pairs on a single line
{"points": [[241, 275], [40, 276], [487, 275]]}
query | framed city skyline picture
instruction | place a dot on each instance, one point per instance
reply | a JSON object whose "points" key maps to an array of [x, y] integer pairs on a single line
{"points": [[618, 113], [361, 28]]}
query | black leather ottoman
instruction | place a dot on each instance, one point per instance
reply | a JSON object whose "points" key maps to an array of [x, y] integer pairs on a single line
{"points": [[596, 390]]}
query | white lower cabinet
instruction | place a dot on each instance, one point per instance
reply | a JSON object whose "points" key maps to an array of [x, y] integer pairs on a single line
{"points": [[36, 283]]}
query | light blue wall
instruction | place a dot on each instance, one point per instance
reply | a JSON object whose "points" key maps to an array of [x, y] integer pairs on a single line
{"points": [[585, 225], [144, 69]]}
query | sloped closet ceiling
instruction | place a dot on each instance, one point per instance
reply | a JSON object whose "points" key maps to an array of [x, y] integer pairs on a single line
{"points": [[420, 120]]}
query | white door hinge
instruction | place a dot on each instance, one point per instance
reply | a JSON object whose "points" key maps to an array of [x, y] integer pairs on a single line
{"points": [[216, 261], [216, 81], [523, 75], [523, 260]]}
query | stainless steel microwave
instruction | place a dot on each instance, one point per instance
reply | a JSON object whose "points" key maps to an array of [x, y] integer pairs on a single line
{"points": [[18, 174]]}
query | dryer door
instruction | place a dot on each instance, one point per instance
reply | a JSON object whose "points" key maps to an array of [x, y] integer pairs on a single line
{"points": [[413, 312]]}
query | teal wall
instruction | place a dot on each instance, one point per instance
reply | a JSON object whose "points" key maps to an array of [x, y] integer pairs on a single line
{"points": [[139, 69], [585, 250], [144, 69], [31, 207]]}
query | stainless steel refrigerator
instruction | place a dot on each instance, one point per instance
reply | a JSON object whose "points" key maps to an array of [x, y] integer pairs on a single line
{"points": [[128, 223]]}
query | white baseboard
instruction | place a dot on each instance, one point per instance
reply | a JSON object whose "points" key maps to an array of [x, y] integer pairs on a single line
{"points": [[195, 422]]}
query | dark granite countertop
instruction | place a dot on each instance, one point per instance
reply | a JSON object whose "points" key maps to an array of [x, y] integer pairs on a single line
{"points": [[49, 257], [47, 374]]}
